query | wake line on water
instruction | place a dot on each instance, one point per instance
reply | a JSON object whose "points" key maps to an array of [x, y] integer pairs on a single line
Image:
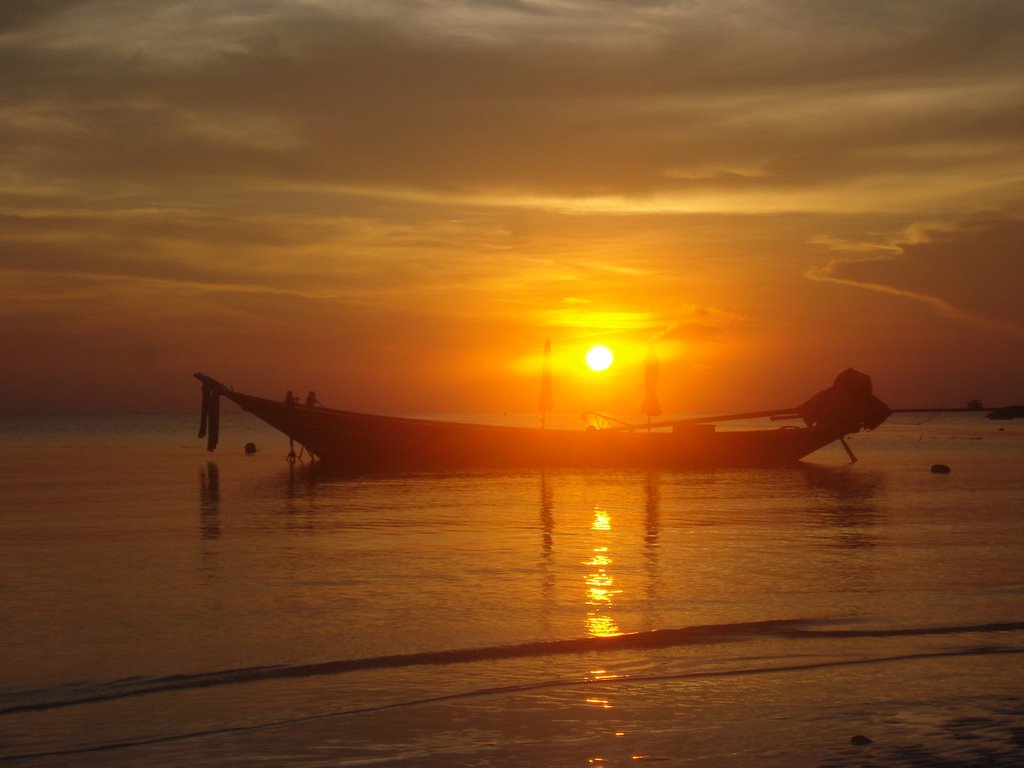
{"points": [[657, 638], [511, 689]]}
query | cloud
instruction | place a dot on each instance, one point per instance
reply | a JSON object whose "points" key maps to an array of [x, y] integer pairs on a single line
{"points": [[414, 168], [19, 15], [648, 107], [970, 273]]}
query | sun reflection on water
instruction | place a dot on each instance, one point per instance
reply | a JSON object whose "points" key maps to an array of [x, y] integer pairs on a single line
{"points": [[600, 583]]}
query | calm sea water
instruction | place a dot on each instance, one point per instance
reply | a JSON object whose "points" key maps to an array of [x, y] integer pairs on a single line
{"points": [[165, 606]]}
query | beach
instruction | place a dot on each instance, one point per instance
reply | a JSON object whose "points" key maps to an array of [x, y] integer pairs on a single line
{"points": [[167, 606]]}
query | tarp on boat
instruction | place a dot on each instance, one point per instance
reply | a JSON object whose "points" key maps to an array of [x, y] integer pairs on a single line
{"points": [[847, 406]]}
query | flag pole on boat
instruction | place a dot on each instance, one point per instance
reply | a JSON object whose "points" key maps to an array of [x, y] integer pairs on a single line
{"points": [[546, 401], [651, 406]]}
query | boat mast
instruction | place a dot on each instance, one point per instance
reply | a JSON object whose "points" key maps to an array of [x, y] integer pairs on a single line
{"points": [[546, 401]]}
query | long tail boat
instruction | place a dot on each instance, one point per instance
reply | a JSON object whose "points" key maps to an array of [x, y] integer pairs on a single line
{"points": [[365, 442]]}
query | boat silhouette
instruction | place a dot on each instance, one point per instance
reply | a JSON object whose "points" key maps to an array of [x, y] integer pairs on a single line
{"points": [[369, 442]]}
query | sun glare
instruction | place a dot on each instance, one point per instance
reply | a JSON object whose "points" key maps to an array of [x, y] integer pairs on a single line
{"points": [[599, 357]]}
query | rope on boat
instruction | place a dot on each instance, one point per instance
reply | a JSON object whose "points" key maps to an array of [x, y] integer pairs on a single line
{"points": [[205, 412], [209, 420]]}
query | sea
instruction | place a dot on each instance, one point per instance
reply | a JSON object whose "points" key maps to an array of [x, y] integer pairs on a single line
{"points": [[165, 606]]}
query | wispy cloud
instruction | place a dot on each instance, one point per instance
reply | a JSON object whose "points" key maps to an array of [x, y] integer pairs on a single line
{"points": [[866, 258], [394, 102]]}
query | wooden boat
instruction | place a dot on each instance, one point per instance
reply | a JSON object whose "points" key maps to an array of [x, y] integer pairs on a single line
{"points": [[365, 442]]}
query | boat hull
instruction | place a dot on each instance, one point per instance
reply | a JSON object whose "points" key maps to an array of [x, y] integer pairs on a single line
{"points": [[361, 442]]}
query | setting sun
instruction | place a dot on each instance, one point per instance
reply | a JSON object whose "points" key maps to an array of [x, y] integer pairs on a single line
{"points": [[599, 357]]}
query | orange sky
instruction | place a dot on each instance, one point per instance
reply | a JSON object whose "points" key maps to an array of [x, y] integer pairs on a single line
{"points": [[396, 203]]}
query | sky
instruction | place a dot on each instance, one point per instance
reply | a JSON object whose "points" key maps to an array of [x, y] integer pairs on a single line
{"points": [[396, 202]]}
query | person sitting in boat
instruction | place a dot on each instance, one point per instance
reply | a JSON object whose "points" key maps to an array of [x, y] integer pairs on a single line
{"points": [[311, 400], [290, 399]]}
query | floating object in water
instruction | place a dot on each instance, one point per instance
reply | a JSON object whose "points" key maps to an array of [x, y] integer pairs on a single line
{"points": [[861, 740], [940, 469], [250, 448]]}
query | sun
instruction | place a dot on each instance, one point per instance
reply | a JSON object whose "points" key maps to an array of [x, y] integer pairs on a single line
{"points": [[599, 357]]}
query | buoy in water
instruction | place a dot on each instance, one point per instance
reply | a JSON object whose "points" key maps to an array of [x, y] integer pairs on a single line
{"points": [[940, 469], [250, 448], [860, 740]]}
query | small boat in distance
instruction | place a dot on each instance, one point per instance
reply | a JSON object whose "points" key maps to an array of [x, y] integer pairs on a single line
{"points": [[360, 442]]}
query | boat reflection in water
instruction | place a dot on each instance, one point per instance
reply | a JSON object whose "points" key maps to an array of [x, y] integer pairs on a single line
{"points": [[209, 501], [606, 553]]}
